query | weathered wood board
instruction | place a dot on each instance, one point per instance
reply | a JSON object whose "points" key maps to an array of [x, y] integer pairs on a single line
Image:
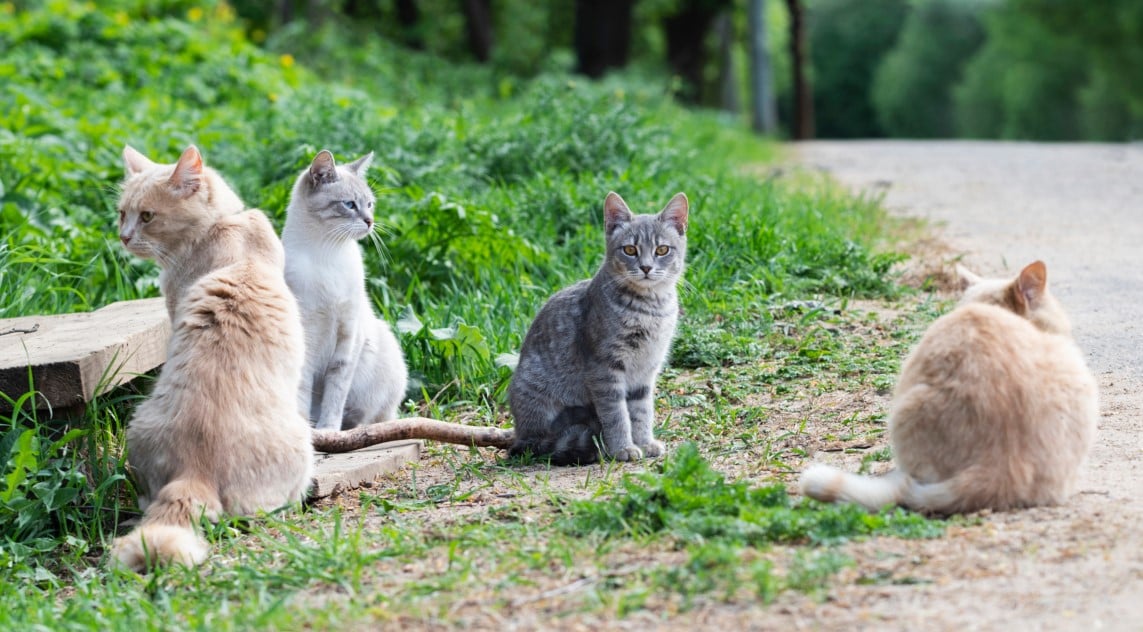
{"points": [[74, 357], [336, 473]]}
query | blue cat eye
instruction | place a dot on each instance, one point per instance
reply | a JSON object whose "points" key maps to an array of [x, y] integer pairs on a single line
{"points": [[350, 204]]}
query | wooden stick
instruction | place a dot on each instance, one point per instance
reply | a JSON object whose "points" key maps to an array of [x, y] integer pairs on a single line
{"points": [[332, 441]]}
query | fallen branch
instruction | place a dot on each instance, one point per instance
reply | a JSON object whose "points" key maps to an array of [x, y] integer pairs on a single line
{"points": [[410, 428]]}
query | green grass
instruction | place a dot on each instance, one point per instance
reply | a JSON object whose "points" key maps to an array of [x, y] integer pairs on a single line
{"points": [[489, 190]]}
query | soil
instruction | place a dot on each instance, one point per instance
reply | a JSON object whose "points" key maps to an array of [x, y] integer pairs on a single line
{"points": [[999, 206]]}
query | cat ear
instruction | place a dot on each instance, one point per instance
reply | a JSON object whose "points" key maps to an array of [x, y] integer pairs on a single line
{"points": [[134, 161], [323, 169], [1033, 282], [188, 172], [615, 212], [967, 277], [675, 213], [361, 165]]}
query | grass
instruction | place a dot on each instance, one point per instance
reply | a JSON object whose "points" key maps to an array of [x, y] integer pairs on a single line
{"points": [[489, 190]]}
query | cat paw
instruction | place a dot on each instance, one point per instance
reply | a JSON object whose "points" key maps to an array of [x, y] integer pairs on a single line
{"points": [[653, 448], [630, 453]]}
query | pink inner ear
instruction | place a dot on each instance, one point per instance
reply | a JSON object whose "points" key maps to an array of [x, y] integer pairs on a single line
{"points": [[1033, 281], [188, 171], [615, 211], [675, 213]]}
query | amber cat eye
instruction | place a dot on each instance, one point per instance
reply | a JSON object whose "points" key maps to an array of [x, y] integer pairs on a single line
{"points": [[146, 216], [630, 251], [662, 250]]}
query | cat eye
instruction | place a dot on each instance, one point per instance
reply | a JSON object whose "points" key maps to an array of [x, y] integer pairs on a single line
{"points": [[662, 250], [630, 251], [350, 204], [146, 216]]}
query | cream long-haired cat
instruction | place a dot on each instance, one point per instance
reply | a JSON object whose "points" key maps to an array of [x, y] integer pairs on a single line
{"points": [[995, 408], [220, 432]]}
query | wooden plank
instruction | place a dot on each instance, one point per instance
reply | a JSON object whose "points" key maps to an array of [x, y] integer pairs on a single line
{"points": [[74, 357], [337, 473]]}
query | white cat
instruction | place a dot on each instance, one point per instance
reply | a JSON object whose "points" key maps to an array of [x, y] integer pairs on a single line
{"points": [[354, 371]]}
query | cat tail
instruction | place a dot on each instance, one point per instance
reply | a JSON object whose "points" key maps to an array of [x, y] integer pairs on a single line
{"points": [[167, 534], [573, 445], [829, 484]]}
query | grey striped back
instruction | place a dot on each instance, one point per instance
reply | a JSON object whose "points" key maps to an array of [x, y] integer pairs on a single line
{"points": [[586, 376]]}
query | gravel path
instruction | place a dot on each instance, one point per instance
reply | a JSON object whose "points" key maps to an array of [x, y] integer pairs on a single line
{"points": [[1079, 208]]}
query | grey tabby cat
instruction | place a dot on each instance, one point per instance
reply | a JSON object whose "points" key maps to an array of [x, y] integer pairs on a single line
{"points": [[355, 372], [588, 365]]}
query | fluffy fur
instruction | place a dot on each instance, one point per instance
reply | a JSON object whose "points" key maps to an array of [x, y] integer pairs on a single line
{"points": [[588, 365], [354, 372], [220, 432], [995, 408]]}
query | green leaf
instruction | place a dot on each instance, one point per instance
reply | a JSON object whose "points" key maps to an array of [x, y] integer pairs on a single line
{"points": [[23, 462], [408, 323]]}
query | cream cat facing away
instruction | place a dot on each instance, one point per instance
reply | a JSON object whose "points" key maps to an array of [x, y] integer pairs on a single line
{"points": [[220, 432], [355, 372], [995, 408]]}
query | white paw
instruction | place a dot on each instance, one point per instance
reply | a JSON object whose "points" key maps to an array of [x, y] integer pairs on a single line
{"points": [[630, 453], [653, 448]]}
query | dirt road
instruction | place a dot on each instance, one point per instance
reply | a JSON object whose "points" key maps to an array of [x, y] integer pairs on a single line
{"points": [[1079, 208]]}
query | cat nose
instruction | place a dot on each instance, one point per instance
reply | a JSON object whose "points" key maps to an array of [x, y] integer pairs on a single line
{"points": [[368, 221], [125, 237], [645, 269]]}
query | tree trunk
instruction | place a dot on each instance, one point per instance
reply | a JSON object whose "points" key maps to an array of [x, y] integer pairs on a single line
{"points": [[763, 118], [803, 128], [409, 17], [686, 45], [478, 24], [602, 35], [727, 78], [331, 441]]}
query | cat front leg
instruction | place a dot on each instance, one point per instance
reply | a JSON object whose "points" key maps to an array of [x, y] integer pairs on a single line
{"points": [[611, 406], [641, 409], [337, 380]]}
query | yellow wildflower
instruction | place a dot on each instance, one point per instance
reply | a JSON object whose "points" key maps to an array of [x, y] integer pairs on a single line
{"points": [[194, 14], [287, 60]]}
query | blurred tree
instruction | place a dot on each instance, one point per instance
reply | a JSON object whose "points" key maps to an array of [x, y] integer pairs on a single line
{"points": [[1023, 84], [763, 117], [803, 124], [912, 87], [478, 26], [686, 29], [848, 38], [1109, 34], [602, 35]]}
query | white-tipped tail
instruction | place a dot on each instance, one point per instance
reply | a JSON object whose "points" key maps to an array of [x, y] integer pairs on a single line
{"points": [[830, 484], [158, 544], [167, 534]]}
